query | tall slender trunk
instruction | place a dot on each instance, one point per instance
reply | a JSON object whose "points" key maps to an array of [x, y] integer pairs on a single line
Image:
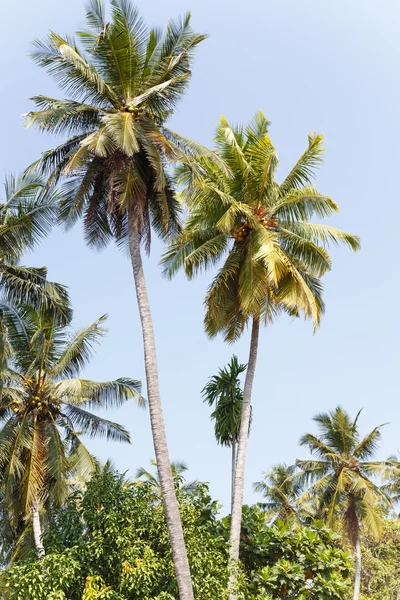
{"points": [[170, 502], [357, 579], [236, 518], [233, 470], [37, 529]]}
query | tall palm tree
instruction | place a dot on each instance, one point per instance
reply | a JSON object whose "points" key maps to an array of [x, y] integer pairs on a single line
{"points": [[122, 80], [274, 255], [224, 393], [341, 477], [281, 489], [43, 407], [26, 215]]}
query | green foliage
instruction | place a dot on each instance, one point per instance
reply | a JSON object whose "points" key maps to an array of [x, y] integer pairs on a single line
{"points": [[289, 562], [381, 565], [111, 542]]}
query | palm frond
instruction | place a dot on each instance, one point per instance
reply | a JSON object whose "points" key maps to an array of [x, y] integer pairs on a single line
{"points": [[79, 350], [95, 426]]}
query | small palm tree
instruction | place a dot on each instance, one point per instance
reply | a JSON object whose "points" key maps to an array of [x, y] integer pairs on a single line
{"points": [[26, 215], [153, 478], [391, 477], [123, 81], [273, 255], [341, 477], [281, 489], [44, 407], [224, 393]]}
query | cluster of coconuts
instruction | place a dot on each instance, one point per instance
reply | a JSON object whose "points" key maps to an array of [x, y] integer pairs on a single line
{"points": [[38, 404], [261, 214]]}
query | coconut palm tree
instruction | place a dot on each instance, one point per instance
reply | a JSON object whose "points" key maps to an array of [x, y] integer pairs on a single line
{"points": [[281, 489], [224, 393], [144, 476], [274, 255], [122, 80], [26, 215], [391, 477], [341, 475], [43, 408]]}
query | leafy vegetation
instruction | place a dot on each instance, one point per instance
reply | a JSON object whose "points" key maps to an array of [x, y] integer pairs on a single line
{"points": [[112, 542]]}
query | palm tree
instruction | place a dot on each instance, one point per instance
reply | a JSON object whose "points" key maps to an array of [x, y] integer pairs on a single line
{"points": [[281, 489], [44, 406], [341, 477], [26, 215], [274, 255], [223, 391], [121, 87], [144, 476], [391, 477]]}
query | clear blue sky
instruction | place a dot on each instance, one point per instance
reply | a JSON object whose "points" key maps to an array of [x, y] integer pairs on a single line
{"points": [[332, 67]]}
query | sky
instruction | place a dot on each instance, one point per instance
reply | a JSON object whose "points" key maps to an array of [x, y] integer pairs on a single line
{"points": [[330, 67]]}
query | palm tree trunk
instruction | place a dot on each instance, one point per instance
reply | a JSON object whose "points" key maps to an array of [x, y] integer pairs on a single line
{"points": [[357, 579], [37, 529], [170, 502], [236, 518], [233, 470]]}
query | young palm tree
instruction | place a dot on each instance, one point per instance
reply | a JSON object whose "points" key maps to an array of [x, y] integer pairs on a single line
{"points": [[122, 80], [153, 479], [274, 254], [224, 393], [44, 407], [341, 477], [281, 489], [26, 215]]}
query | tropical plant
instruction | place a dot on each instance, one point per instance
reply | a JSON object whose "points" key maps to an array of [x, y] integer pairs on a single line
{"points": [[121, 89], [144, 476], [274, 255], [224, 393], [281, 490], [26, 215], [344, 479], [44, 407]]}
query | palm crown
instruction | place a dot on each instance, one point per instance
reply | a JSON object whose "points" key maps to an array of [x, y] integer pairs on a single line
{"points": [[152, 479], [44, 406], [224, 393], [275, 255], [122, 85], [281, 490], [342, 477]]}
